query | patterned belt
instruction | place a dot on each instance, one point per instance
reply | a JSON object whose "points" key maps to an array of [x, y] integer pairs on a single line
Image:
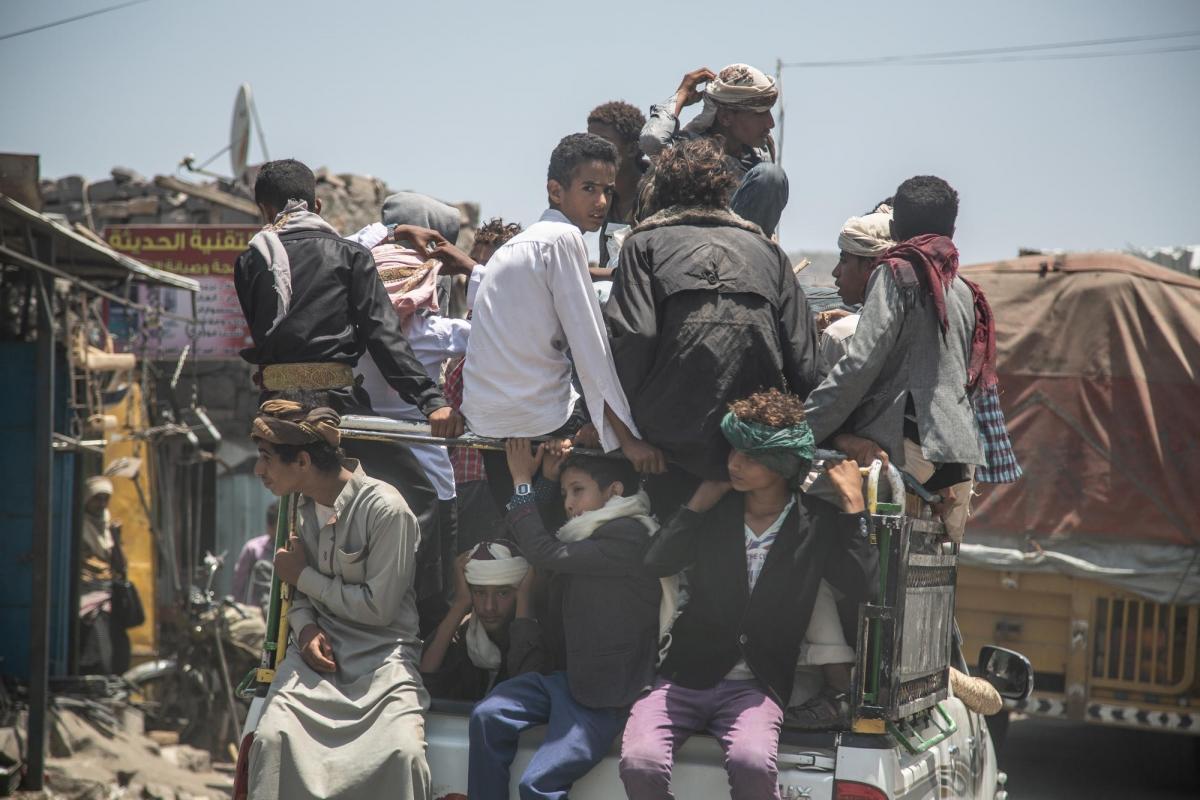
{"points": [[316, 376]]}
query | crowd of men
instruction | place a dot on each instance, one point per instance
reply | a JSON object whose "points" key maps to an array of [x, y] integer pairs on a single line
{"points": [[697, 582]]}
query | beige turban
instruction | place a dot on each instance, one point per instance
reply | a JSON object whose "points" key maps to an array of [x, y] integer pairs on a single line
{"points": [[867, 236], [288, 422], [739, 87]]}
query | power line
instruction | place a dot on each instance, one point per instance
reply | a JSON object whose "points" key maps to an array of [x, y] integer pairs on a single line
{"points": [[97, 12], [1183, 48], [979, 55]]}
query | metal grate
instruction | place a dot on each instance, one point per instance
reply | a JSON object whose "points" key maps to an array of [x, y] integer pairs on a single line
{"points": [[914, 690], [1144, 646], [927, 577]]}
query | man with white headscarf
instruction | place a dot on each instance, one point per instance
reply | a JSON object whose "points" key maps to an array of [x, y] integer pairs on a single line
{"points": [[861, 241], [737, 106], [490, 633]]}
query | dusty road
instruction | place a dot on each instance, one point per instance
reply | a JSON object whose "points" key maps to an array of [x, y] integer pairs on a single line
{"points": [[1052, 760]]}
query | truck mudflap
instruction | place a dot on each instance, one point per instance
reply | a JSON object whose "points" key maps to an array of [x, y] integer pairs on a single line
{"points": [[806, 764]]}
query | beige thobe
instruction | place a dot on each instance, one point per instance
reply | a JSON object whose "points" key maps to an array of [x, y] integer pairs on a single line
{"points": [[358, 732]]}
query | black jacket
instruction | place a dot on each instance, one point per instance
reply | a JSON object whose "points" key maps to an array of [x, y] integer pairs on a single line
{"points": [[603, 610], [705, 310], [339, 309], [459, 679], [722, 621]]}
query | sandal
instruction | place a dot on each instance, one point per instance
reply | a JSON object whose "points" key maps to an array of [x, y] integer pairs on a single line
{"points": [[829, 710]]}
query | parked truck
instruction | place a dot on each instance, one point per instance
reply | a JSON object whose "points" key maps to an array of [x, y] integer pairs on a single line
{"points": [[1090, 565]]}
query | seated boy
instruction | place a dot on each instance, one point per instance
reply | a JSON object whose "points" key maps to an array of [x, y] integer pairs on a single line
{"points": [[500, 639], [344, 715], [535, 304], [601, 627], [756, 557]]}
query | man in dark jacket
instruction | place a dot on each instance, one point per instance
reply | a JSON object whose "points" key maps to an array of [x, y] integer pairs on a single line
{"points": [[704, 310], [314, 304], [601, 626], [755, 559]]}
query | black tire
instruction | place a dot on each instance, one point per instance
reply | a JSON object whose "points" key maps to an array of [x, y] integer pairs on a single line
{"points": [[998, 728]]}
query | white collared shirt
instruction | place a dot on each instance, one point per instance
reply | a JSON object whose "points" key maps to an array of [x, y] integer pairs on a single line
{"points": [[536, 303]]}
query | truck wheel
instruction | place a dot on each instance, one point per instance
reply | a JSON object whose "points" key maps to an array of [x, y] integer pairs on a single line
{"points": [[998, 728]]}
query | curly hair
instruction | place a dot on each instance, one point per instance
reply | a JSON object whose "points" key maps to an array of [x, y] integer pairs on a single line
{"points": [[925, 204], [693, 174], [496, 232], [626, 119], [576, 149], [773, 408]]}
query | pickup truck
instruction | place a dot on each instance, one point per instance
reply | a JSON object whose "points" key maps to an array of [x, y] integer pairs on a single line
{"points": [[910, 739]]}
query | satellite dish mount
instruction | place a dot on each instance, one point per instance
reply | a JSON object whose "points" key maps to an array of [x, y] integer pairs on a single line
{"points": [[245, 112]]}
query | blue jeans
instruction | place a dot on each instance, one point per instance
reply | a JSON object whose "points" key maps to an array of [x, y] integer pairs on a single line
{"points": [[762, 196], [577, 738]]}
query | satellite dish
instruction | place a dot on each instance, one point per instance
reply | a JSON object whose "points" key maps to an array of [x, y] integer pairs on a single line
{"points": [[244, 113], [239, 131]]}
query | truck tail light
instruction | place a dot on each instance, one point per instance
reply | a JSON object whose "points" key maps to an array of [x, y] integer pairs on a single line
{"points": [[853, 790], [241, 773]]}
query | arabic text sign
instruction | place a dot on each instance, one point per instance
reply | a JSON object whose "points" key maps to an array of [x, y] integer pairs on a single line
{"points": [[205, 253]]}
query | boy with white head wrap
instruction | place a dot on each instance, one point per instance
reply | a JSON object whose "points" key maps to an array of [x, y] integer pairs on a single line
{"points": [[489, 634], [737, 107]]}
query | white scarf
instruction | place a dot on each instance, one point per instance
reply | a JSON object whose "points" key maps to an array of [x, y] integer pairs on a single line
{"points": [[636, 507], [483, 652], [294, 217]]}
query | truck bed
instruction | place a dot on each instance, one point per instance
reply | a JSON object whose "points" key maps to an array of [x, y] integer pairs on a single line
{"points": [[806, 761]]}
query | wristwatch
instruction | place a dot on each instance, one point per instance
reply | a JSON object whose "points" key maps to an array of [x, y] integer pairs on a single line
{"points": [[522, 495]]}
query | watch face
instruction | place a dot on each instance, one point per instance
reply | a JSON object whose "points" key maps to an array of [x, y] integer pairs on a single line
{"points": [[523, 488]]}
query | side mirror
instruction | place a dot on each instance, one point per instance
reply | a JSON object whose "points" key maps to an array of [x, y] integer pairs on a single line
{"points": [[1008, 671]]}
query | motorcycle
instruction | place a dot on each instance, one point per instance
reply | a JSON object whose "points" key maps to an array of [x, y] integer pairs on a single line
{"points": [[193, 692]]}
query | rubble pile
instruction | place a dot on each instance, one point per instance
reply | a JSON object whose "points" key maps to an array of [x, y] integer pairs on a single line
{"points": [[127, 198], [98, 751]]}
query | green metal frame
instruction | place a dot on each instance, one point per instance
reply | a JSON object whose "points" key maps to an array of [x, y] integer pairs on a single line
{"points": [[250, 684], [902, 731]]}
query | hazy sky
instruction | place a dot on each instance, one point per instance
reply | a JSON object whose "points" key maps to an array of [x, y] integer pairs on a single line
{"points": [[465, 100]]}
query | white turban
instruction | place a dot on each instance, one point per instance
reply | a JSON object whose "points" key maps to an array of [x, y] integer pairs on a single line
{"points": [[493, 564], [740, 87], [867, 236], [97, 485]]}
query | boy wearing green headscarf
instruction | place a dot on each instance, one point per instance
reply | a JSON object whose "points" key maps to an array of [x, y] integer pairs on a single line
{"points": [[756, 553]]}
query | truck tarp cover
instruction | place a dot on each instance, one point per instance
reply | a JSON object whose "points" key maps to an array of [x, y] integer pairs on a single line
{"points": [[1098, 359]]}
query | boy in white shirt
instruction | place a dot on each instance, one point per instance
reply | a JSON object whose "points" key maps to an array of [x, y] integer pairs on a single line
{"points": [[536, 319]]}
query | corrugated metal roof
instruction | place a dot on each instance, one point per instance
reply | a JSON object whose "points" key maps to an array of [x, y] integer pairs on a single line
{"points": [[95, 257]]}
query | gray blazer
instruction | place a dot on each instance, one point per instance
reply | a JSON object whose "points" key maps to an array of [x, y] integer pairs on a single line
{"points": [[899, 350]]}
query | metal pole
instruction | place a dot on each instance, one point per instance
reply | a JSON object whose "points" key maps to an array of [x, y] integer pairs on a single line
{"points": [[43, 503], [779, 88]]}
